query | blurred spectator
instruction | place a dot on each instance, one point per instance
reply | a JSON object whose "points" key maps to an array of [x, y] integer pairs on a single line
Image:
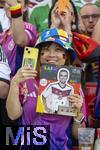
{"points": [[13, 41], [4, 87], [39, 15], [33, 3], [96, 113], [19, 35], [90, 14]]}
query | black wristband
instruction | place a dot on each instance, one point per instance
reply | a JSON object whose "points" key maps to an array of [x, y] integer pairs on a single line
{"points": [[16, 15]]}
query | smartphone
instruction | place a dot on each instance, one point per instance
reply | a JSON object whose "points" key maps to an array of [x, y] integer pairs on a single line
{"points": [[30, 57]]}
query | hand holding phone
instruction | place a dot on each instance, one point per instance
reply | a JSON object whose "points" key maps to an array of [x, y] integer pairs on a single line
{"points": [[30, 57]]}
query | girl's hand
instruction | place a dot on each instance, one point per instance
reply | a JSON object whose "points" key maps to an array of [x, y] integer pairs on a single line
{"points": [[76, 101], [24, 74]]}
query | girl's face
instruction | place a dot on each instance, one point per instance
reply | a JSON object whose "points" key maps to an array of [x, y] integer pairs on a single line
{"points": [[52, 53]]}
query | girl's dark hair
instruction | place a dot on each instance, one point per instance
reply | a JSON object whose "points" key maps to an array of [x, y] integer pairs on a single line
{"points": [[75, 14]]}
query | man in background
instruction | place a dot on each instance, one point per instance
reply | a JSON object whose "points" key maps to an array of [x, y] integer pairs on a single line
{"points": [[90, 14]]}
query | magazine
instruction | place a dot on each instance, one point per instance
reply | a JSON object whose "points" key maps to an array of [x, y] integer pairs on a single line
{"points": [[56, 84]]}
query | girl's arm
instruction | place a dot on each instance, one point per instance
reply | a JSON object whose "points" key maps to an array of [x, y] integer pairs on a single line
{"points": [[13, 104]]}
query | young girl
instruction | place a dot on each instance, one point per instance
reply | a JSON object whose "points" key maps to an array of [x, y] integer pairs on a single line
{"points": [[54, 48]]}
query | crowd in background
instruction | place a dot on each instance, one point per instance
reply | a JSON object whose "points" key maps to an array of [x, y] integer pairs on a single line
{"points": [[22, 22]]}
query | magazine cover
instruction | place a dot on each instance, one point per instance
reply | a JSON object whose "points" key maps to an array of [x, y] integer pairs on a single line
{"points": [[56, 84]]}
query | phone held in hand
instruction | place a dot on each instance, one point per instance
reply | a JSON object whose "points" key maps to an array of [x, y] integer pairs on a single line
{"points": [[30, 57]]}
